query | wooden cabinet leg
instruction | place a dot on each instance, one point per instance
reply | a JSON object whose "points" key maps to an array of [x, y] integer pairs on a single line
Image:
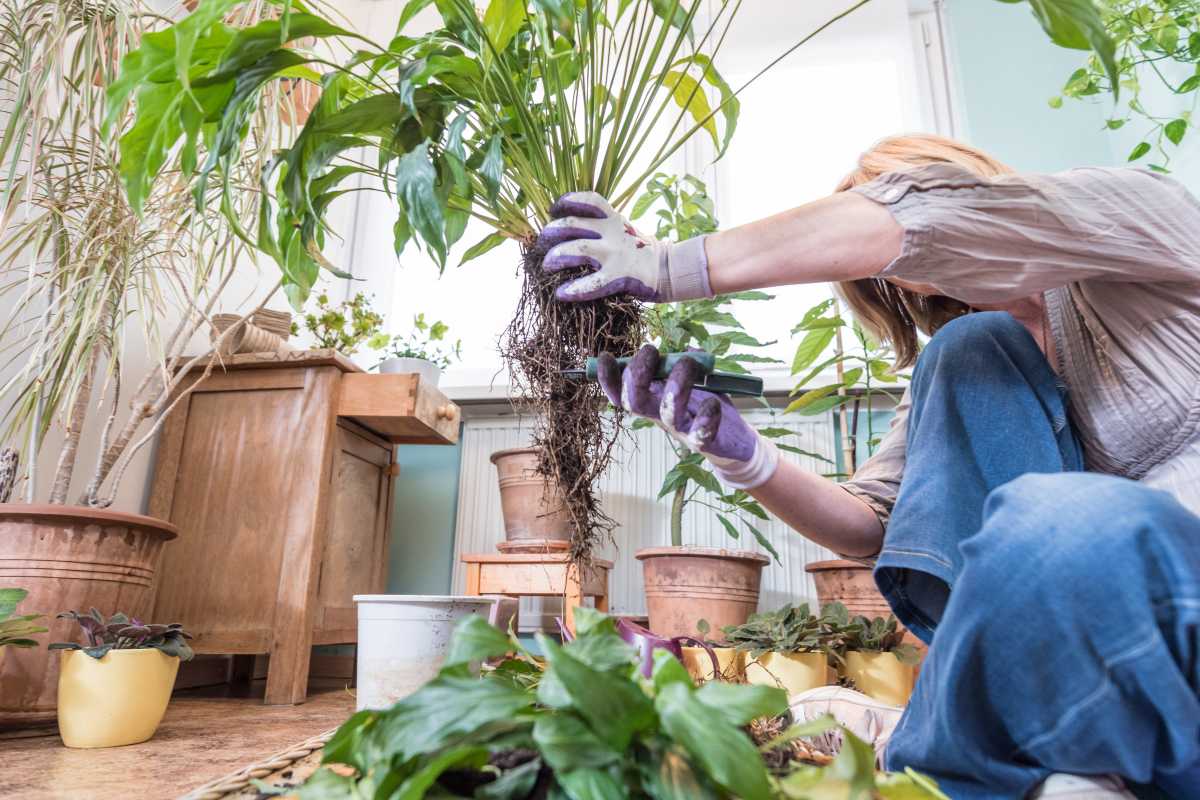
{"points": [[602, 603], [287, 672], [473, 577]]}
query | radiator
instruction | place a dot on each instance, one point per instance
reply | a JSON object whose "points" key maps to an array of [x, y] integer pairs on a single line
{"points": [[628, 491]]}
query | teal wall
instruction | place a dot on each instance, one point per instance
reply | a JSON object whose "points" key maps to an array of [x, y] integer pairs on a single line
{"points": [[1007, 70], [425, 503]]}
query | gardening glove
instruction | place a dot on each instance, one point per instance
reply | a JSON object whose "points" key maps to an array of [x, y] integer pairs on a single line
{"points": [[588, 232], [702, 421]]}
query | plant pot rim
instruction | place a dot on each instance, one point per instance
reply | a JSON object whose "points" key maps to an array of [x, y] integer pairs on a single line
{"points": [[837, 563], [423, 599], [81, 513], [513, 451], [121, 653], [702, 552]]}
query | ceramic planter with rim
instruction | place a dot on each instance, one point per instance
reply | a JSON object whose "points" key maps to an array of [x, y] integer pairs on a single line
{"points": [[403, 640], [70, 557], [881, 676], [699, 665], [430, 372], [792, 672], [115, 700], [687, 584]]}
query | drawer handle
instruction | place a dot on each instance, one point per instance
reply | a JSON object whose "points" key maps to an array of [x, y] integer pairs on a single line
{"points": [[447, 412]]}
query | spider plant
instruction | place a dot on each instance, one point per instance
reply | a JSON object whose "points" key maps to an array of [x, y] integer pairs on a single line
{"points": [[491, 115], [84, 271]]}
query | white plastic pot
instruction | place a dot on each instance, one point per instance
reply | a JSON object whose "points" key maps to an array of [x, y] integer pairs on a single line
{"points": [[429, 371], [403, 640]]}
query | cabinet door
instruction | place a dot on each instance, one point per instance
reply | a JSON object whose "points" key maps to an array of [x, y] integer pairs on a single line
{"points": [[356, 542]]}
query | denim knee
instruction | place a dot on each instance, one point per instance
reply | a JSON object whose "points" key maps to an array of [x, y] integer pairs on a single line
{"points": [[976, 335], [1077, 526]]}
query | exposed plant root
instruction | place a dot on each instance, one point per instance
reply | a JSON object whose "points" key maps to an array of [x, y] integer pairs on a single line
{"points": [[780, 760], [576, 437]]}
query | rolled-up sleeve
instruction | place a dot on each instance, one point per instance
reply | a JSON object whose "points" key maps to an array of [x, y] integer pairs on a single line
{"points": [[984, 240], [877, 481]]}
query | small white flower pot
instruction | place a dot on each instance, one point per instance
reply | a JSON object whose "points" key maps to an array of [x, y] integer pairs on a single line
{"points": [[429, 372], [403, 640]]}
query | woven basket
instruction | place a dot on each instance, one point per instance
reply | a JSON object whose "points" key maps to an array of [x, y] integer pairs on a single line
{"points": [[276, 322]]}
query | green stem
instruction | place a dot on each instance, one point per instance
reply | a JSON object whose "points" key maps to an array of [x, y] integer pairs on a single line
{"points": [[677, 504]]}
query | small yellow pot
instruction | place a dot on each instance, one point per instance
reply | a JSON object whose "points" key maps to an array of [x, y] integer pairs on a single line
{"points": [[699, 665], [115, 700], [881, 676], [793, 672]]}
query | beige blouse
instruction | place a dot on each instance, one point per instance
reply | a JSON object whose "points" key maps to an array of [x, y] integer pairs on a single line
{"points": [[1116, 255]]}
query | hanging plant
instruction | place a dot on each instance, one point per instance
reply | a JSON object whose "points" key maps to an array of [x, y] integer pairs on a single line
{"points": [[492, 115]]}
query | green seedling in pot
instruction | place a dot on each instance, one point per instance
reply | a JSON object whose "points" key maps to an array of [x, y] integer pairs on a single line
{"points": [[120, 632]]}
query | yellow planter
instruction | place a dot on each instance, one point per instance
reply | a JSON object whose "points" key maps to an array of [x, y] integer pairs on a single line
{"points": [[699, 665], [881, 676], [794, 672], [115, 700]]}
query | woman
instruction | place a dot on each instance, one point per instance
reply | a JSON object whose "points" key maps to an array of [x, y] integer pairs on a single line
{"points": [[1035, 501]]}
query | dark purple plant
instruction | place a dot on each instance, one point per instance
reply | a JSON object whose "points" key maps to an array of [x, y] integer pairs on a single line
{"points": [[119, 632]]}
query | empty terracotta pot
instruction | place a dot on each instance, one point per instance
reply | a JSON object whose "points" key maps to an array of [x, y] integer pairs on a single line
{"points": [[70, 558], [535, 519], [687, 584]]}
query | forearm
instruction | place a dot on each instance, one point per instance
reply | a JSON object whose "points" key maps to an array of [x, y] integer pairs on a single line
{"points": [[820, 510], [837, 238]]}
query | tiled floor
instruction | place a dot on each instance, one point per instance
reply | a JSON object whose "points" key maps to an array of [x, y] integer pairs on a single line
{"points": [[207, 733]]}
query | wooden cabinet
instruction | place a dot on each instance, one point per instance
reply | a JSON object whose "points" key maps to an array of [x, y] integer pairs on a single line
{"points": [[282, 497]]}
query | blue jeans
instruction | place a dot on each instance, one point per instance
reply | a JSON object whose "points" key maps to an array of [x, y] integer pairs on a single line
{"points": [[1062, 607]]}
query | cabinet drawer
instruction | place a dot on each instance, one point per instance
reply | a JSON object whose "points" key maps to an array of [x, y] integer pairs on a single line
{"points": [[401, 408]]}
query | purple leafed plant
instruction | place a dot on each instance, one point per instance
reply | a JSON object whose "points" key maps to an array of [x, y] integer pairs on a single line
{"points": [[119, 632]]}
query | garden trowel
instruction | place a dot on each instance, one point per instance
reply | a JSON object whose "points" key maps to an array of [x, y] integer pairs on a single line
{"points": [[711, 380]]}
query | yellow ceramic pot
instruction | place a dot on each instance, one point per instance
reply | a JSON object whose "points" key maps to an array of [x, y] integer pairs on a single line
{"points": [[881, 676], [699, 665], [794, 672], [115, 700]]}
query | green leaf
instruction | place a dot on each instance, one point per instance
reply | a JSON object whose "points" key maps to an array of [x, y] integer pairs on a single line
{"points": [[765, 543], [411, 9], [689, 96], [613, 707], [730, 528], [776, 433], [811, 347], [415, 787], [493, 168], [1078, 25], [512, 784], [671, 777], [738, 704], [475, 639], [502, 20], [721, 749], [415, 179], [567, 743], [808, 453], [729, 105], [1139, 151], [1055, 102], [1175, 130], [1189, 85], [811, 396], [487, 243], [642, 205], [591, 784], [9, 600]]}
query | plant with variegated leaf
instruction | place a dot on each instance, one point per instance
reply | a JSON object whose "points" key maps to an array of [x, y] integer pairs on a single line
{"points": [[120, 632], [15, 631]]}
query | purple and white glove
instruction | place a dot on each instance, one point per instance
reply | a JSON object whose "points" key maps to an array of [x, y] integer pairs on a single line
{"points": [[588, 232], [702, 421]]}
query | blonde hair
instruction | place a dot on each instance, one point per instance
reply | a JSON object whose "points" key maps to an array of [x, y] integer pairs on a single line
{"points": [[890, 313]]}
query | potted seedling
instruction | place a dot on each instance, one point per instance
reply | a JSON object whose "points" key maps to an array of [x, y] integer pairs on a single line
{"points": [[423, 351], [877, 660], [345, 326], [687, 584], [114, 689], [16, 630], [789, 648]]}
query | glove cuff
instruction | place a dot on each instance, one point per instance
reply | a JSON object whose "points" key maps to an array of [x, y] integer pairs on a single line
{"points": [[753, 473], [683, 271]]}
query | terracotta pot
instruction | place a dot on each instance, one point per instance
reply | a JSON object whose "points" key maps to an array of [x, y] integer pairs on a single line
{"points": [[70, 558], [535, 519], [699, 665], [115, 700], [792, 672], [687, 584], [881, 676], [853, 585]]}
